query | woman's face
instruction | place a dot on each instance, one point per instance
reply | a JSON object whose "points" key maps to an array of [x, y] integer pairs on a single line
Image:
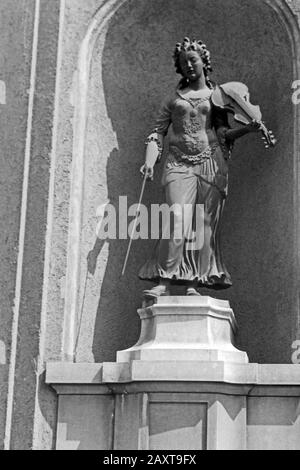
{"points": [[191, 65]]}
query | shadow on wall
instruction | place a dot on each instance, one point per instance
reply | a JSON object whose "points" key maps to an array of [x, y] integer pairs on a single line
{"points": [[248, 44]]}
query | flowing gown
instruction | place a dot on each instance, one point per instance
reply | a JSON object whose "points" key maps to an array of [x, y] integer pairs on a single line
{"points": [[195, 179]]}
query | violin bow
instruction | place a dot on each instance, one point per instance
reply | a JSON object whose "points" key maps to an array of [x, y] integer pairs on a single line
{"points": [[135, 224]]}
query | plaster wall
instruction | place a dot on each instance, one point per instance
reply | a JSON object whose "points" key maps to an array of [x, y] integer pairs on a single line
{"points": [[131, 70], [16, 27], [28, 69]]}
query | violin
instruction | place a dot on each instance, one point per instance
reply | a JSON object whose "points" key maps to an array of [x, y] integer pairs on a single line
{"points": [[234, 98]]}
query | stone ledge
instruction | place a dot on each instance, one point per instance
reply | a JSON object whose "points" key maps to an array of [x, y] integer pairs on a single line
{"points": [[260, 375]]}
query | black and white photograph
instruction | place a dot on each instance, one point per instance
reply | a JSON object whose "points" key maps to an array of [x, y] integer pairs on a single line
{"points": [[150, 227]]}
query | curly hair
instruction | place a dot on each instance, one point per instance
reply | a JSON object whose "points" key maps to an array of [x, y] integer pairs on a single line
{"points": [[197, 46]]}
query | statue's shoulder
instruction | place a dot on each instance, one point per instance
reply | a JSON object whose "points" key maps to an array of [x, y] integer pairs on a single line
{"points": [[216, 88], [216, 96], [169, 99]]}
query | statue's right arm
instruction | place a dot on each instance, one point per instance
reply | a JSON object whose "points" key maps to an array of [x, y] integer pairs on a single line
{"points": [[155, 141], [154, 148]]}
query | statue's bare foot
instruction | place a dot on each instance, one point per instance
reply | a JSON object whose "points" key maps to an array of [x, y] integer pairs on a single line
{"points": [[155, 292], [192, 291]]}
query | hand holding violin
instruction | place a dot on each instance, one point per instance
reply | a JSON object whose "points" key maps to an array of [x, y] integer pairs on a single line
{"points": [[234, 98], [254, 126]]}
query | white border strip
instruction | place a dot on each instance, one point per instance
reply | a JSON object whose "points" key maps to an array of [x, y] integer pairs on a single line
{"points": [[43, 326], [16, 309], [80, 91]]}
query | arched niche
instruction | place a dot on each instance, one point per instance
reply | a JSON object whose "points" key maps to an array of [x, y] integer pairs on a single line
{"points": [[124, 71]]}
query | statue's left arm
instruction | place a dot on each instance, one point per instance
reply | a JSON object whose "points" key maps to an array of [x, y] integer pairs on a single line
{"points": [[225, 132], [233, 134]]}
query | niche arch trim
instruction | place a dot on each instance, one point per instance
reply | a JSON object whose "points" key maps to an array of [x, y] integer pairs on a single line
{"points": [[98, 26]]}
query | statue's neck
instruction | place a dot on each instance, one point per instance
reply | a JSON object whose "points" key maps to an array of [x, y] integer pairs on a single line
{"points": [[198, 84]]}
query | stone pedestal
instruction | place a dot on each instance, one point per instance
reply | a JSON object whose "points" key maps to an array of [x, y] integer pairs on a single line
{"points": [[182, 386], [186, 329]]}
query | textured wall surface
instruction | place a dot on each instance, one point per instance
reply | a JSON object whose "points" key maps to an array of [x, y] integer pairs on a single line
{"points": [[29, 327], [131, 72], [26, 136], [16, 25]]}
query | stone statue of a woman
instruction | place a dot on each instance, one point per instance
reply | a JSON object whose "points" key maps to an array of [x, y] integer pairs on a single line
{"points": [[195, 172]]}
